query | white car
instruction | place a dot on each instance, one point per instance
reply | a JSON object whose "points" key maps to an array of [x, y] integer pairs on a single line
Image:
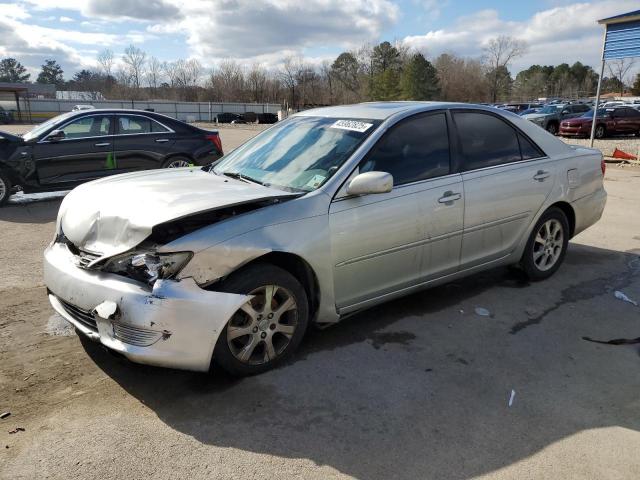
{"points": [[77, 108]]}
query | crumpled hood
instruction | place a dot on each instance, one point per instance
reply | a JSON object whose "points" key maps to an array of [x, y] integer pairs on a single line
{"points": [[112, 215]]}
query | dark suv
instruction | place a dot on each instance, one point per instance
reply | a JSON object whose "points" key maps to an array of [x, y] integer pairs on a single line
{"points": [[550, 116]]}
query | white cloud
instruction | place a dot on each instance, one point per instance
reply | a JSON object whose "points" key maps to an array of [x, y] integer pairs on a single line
{"points": [[566, 33], [65, 20]]}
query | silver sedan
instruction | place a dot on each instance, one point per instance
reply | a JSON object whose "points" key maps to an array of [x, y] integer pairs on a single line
{"points": [[327, 213]]}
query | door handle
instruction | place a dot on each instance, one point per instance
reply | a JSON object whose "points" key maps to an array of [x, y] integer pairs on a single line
{"points": [[104, 144], [449, 197], [162, 140], [541, 175]]}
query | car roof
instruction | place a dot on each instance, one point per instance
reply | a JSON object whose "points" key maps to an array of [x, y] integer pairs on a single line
{"points": [[376, 110], [97, 111]]}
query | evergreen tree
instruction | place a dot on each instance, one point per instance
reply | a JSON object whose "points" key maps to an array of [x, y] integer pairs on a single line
{"points": [[51, 73], [419, 79], [385, 86], [12, 71], [635, 88]]}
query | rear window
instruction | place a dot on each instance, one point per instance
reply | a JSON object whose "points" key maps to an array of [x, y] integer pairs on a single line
{"points": [[486, 141], [133, 124]]}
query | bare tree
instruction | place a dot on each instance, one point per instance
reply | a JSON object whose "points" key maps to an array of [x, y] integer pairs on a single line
{"points": [[154, 73], [619, 69], [106, 60], [289, 75], [134, 59], [257, 81], [498, 54]]}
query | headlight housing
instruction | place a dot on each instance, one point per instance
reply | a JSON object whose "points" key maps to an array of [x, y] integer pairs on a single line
{"points": [[148, 266]]}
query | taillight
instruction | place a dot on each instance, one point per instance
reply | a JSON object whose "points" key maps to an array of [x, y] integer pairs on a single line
{"points": [[603, 167], [215, 138]]}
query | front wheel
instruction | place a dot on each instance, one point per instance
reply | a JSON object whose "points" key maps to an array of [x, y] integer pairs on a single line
{"points": [[546, 246], [5, 189], [552, 128], [600, 131], [177, 162], [269, 327]]}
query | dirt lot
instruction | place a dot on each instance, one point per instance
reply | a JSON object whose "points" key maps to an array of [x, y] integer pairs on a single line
{"points": [[417, 388]]}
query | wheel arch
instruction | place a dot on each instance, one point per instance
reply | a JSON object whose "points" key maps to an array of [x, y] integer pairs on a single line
{"points": [[569, 212], [296, 266], [173, 155]]}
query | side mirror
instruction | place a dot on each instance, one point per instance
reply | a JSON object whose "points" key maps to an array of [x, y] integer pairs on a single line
{"points": [[565, 112], [56, 136], [370, 182]]}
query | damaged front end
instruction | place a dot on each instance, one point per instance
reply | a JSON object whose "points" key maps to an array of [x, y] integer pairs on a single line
{"points": [[166, 323]]}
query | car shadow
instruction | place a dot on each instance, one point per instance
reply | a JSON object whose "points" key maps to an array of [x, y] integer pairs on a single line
{"points": [[420, 387], [39, 209]]}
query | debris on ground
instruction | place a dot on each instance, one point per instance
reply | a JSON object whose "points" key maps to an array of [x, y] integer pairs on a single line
{"points": [[16, 430], [483, 312], [511, 398], [621, 296], [615, 341], [4, 415]]}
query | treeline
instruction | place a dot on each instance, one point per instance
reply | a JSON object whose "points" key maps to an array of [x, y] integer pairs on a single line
{"points": [[382, 72]]}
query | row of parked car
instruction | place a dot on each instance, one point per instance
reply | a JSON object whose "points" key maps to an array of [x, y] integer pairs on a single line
{"points": [[576, 119]]}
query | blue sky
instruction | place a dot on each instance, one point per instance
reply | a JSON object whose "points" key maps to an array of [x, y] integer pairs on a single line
{"points": [[267, 31]]}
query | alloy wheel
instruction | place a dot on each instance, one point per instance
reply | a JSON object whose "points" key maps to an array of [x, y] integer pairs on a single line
{"points": [[599, 131], [3, 190], [548, 244], [178, 164], [262, 328]]}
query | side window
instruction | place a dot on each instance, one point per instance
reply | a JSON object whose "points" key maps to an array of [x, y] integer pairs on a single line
{"points": [[486, 140], [528, 149], [137, 124], [634, 113], [157, 128], [415, 149], [133, 124], [92, 126]]}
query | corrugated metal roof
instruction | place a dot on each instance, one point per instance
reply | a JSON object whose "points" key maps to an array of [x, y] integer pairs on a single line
{"points": [[622, 40], [624, 17]]}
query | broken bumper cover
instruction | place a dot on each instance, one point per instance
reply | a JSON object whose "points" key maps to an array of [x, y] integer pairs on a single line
{"points": [[175, 324]]}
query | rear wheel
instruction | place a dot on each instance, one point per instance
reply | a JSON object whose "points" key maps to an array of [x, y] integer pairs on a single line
{"points": [[269, 327], [5, 188], [546, 246], [177, 162], [600, 132]]}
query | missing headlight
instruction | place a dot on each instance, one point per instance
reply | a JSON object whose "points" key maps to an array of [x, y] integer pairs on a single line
{"points": [[148, 266]]}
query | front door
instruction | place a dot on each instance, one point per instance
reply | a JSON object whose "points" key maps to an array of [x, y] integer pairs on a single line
{"points": [[384, 243], [85, 152], [506, 181]]}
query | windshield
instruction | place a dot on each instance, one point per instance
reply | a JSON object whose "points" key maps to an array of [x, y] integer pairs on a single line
{"points": [[43, 127], [299, 154], [550, 109]]}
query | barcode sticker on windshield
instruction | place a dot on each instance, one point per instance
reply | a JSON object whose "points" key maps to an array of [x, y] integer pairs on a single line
{"points": [[352, 125]]}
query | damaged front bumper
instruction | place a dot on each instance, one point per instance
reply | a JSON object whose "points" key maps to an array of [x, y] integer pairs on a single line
{"points": [[174, 324]]}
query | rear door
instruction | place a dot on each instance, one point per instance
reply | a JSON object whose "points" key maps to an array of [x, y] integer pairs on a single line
{"points": [[387, 242], [85, 153], [141, 142], [506, 180]]}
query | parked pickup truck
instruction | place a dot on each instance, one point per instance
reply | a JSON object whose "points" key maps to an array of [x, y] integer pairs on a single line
{"points": [[327, 213]]}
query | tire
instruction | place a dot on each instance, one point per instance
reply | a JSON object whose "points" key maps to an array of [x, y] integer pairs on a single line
{"points": [[552, 128], [177, 162], [242, 354], [600, 131], [547, 245], [5, 189]]}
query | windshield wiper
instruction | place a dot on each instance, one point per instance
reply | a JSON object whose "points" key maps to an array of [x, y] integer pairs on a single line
{"points": [[244, 178]]}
